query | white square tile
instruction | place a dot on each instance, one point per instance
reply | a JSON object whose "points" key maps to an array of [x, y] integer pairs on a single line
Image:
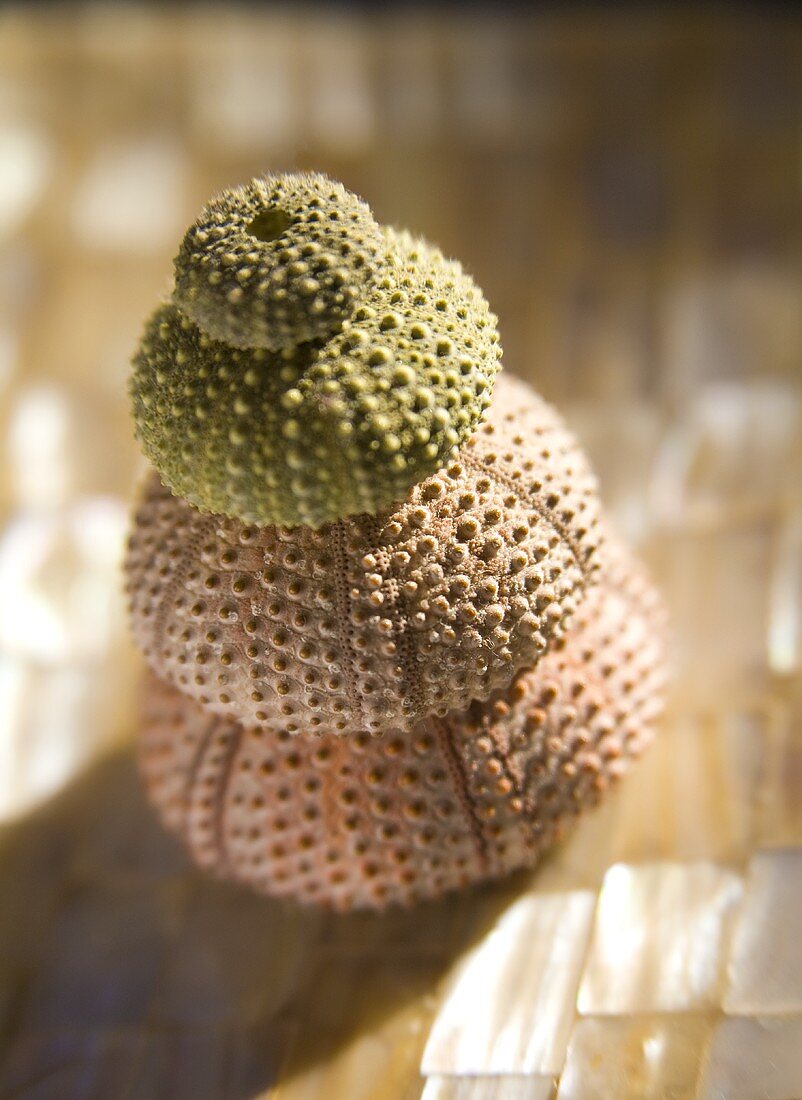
{"points": [[765, 970], [757, 1059], [510, 1003], [648, 1057], [658, 940]]}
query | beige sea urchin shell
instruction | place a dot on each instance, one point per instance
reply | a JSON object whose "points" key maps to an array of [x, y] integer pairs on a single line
{"points": [[367, 821], [379, 621]]}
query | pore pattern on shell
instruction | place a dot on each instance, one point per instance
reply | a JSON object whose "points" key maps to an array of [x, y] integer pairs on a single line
{"points": [[377, 622], [375, 821]]}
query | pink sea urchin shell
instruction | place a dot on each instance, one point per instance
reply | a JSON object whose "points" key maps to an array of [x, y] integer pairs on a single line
{"points": [[371, 821]]}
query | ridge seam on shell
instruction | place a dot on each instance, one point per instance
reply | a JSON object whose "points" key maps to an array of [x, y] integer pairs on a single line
{"points": [[192, 772], [517, 778], [401, 635], [454, 764], [231, 749], [534, 501], [344, 630]]}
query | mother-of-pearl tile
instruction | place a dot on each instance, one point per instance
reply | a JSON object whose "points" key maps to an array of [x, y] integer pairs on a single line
{"points": [[502, 1087], [659, 938], [510, 1003], [755, 1058], [651, 1057], [765, 970]]}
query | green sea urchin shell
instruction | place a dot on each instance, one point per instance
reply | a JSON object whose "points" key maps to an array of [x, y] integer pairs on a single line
{"points": [[278, 262], [319, 432], [303, 430]]}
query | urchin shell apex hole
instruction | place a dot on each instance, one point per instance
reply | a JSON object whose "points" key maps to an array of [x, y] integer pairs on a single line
{"points": [[270, 224]]}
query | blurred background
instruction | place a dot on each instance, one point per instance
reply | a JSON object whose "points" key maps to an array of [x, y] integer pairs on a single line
{"points": [[625, 185]]}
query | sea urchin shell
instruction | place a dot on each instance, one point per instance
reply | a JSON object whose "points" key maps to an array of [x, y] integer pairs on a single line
{"points": [[278, 262], [373, 821], [310, 365]]}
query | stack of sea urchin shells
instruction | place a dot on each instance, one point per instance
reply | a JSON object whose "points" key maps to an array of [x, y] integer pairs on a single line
{"points": [[393, 651]]}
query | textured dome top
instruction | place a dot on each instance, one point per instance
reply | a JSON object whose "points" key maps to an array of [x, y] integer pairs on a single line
{"points": [[277, 262], [311, 364]]}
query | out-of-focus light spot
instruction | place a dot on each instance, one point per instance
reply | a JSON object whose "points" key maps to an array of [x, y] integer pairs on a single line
{"points": [[654, 1049], [244, 97], [131, 197], [729, 325], [26, 160], [340, 108], [12, 694], [785, 597], [52, 721], [732, 442], [60, 582], [62, 442], [53, 717], [8, 357], [37, 446]]}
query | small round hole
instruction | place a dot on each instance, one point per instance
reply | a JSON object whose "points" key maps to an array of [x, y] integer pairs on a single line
{"points": [[269, 224]]}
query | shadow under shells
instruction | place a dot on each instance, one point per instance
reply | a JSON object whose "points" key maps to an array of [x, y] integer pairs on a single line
{"points": [[125, 964]]}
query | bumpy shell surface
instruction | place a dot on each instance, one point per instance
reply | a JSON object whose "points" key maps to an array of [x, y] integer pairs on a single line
{"points": [[278, 262], [376, 821], [316, 376], [374, 623]]}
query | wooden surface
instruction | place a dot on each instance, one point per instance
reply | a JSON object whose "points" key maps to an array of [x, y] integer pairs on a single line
{"points": [[626, 190]]}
